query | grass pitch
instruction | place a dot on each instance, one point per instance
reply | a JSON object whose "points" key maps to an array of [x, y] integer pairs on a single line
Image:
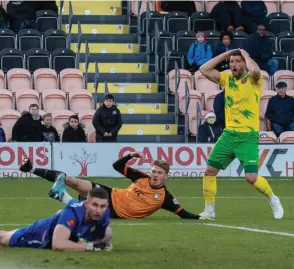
{"points": [[164, 240]]}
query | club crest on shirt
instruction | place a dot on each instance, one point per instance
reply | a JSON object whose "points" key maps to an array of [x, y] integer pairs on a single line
{"points": [[71, 223], [156, 195], [244, 80]]}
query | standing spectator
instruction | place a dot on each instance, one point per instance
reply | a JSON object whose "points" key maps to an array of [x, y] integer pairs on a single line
{"points": [[219, 109], [199, 52], [107, 120], [2, 134], [73, 131], [260, 49], [28, 128], [280, 110], [228, 16], [49, 133], [253, 14], [225, 44], [209, 131]]}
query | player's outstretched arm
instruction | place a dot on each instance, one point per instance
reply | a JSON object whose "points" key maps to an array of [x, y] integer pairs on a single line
{"points": [[187, 215], [252, 66], [121, 166]]}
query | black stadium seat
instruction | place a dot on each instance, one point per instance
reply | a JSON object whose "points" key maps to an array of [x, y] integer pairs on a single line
{"points": [[273, 39], [54, 39], [239, 38], [29, 38], [282, 59], [286, 41], [177, 21], [11, 58], [279, 22], [155, 17], [212, 38], [184, 39], [200, 21], [164, 36], [174, 56], [7, 39], [37, 58], [46, 19], [62, 59]]}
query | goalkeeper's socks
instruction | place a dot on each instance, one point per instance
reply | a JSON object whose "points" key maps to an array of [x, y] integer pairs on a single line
{"points": [[49, 175], [68, 200]]}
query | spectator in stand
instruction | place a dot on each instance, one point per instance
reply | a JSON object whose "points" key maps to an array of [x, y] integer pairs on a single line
{"points": [[2, 134], [28, 128], [199, 52], [253, 14], [227, 15], [209, 131], [280, 110], [107, 120], [260, 49], [49, 133], [219, 109], [46, 5], [225, 44], [74, 130]]}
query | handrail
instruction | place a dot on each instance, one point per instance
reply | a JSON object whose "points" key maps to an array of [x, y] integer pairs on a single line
{"points": [[70, 11], [60, 14], [157, 35], [148, 16], [87, 63], [198, 117], [187, 103], [139, 21], [106, 90], [166, 64], [177, 84], [96, 83]]}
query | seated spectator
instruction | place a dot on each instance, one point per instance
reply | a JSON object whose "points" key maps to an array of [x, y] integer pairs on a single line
{"points": [[3, 18], [107, 120], [209, 131], [280, 110], [73, 131], [260, 49], [28, 128], [253, 14], [199, 52], [225, 44], [49, 133], [2, 134], [219, 109], [227, 15]]}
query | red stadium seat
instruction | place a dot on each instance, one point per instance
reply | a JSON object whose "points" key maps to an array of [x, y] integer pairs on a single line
{"points": [[71, 79], [54, 100], [24, 98], [185, 76], [80, 100], [86, 118], [204, 85], [267, 137], [45, 79], [8, 119], [287, 137], [18, 79], [6, 100], [60, 117]]}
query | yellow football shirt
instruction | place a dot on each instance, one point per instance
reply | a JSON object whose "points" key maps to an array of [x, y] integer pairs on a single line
{"points": [[242, 98]]}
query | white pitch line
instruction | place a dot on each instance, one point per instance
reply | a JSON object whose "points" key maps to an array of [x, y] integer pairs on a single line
{"points": [[247, 229]]}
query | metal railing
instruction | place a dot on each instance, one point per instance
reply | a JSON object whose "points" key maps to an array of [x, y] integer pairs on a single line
{"points": [[96, 84], [198, 118], [166, 65], [60, 14], [70, 12], [139, 22], [177, 84], [187, 103], [156, 36]]}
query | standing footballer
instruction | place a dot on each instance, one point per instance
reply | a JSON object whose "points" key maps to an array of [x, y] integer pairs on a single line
{"points": [[243, 86]]}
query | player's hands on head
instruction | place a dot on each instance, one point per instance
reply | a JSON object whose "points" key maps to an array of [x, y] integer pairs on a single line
{"points": [[244, 53], [137, 154]]}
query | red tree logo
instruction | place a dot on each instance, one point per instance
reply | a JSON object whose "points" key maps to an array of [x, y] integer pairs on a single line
{"points": [[84, 160]]}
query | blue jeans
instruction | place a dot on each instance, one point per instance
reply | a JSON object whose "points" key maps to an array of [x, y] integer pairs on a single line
{"points": [[272, 66], [278, 128]]}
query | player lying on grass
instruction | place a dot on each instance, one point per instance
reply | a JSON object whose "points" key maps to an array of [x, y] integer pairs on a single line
{"points": [[79, 227], [143, 197], [243, 86]]}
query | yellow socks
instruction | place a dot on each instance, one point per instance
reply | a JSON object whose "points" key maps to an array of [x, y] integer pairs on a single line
{"points": [[262, 186], [209, 189]]}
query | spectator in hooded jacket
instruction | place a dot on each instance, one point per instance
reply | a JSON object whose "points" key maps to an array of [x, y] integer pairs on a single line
{"points": [[209, 131], [28, 128], [253, 13], [260, 49], [73, 131], [227, 15], [199, 52], [280, 110], [2, 134], [219, 109], [107, 120], [225, 44], [49, 133]]}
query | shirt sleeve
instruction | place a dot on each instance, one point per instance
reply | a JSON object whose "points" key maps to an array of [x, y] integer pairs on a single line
{"points": [[223, 78], [170, 203], [68, 219]]}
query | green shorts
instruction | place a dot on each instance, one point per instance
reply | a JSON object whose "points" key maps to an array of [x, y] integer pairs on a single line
{"points": [[231, 145]]}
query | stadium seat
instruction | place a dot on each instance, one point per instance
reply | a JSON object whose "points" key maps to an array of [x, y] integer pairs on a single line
{"points": [[80, 100], [287, 7], [291, 61], [53, 99], [177, 21], [60, 117], [282, 58], [265, 96], [285, 75], [2, 80], [92, 137], [54, 39], [195, 122], [135, 5], [185, 76], [209, 99], [7, 39], [18, 79], [290, 93], [11, 58], [155, 17], [279, 22], [204, 85], [273, 39], [286, 41], [62, 59], [239, 38], [46, 19], [45, 79], [71, 79], [42, 112], [37, 58], [267, 137], [86, 118], [29, 38], [8, 119], [174, 56], [265, 80], [24, 98], [164, 37], [201, 21], [286, 137], [195, 98], [6, 100], [213, 38], [184, 39]]}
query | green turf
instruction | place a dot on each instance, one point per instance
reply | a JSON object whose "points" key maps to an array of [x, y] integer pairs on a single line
{"points": [[164, 240]]}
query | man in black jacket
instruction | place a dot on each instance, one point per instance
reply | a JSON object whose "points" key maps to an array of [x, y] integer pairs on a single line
{"points": [[107, 120], [28, 128], [280, 110], [219, 109]]}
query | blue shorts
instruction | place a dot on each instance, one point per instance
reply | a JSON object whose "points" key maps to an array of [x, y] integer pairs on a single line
{"points": [[29, 237]]}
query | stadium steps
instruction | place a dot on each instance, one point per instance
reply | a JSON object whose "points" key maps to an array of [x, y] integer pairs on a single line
{"points": [[149, 129], [148, 119], [151, 138]]}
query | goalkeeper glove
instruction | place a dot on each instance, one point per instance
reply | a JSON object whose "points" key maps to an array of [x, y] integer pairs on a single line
{"points": [[101, 246]]}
